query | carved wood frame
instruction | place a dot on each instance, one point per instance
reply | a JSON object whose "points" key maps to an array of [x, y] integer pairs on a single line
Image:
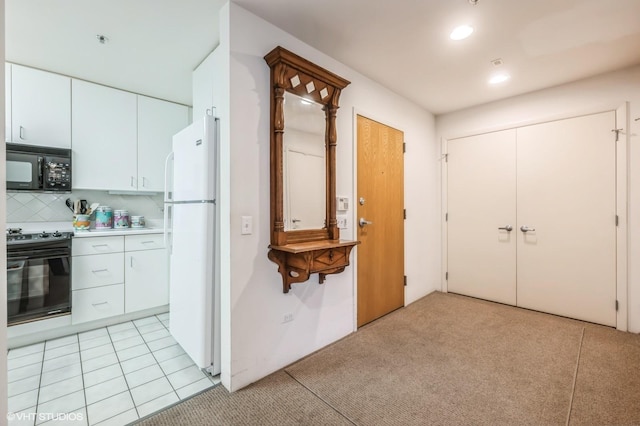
{"points": [[324, 87]]}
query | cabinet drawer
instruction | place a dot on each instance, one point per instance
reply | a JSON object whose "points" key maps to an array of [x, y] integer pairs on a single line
{"points": [[97, 270], [143, 242], [330, 258], [97, 303], [97, 245]]}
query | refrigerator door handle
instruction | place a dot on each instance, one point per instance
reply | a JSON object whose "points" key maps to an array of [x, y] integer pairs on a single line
{"points": [[168, 228], [168, 197], [168, 178]]}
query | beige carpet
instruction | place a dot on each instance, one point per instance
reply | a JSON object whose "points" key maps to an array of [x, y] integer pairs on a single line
{"points": [[444, 359], [275, 400], [608, 381]]}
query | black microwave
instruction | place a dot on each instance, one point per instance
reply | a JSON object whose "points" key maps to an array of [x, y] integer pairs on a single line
{"points": [[38, 168]]}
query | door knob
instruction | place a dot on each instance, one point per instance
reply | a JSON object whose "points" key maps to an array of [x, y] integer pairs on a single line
{"points": [[525, 229], [507, 228], [364, 222]]}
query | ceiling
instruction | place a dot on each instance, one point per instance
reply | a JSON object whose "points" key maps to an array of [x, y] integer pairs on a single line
{"points": [[404, 45]]}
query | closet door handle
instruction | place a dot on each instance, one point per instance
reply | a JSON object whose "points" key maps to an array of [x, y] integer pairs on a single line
{"points": [[525, 229], [507, 228]]}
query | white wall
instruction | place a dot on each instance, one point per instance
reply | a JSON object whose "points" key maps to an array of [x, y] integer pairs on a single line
{"points": [[601, 93], [259, 341], [3, 250]]}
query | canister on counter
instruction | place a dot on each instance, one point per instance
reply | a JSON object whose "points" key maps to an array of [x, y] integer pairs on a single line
{"points": [[104, 217], [137, 221], [121, 219], [81, 222]]}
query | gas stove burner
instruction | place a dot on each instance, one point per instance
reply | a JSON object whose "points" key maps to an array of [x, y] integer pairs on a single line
{"points": [[14, 231]]}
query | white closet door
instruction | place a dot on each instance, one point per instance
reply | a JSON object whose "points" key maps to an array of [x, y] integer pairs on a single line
{"points": [[566, 192], [481, 199]]}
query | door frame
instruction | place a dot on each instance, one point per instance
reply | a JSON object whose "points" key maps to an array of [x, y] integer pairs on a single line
{"points": [[353, 216], [623, 121]]}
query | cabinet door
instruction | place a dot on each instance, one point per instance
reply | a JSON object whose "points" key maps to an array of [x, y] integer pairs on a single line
{"points": [[7, 102], [104, 137], [146, 280], [40, 108], [203, 84], [158, 121]]}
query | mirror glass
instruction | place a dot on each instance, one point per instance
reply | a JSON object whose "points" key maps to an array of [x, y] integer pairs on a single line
{"points": [[304, 165]]}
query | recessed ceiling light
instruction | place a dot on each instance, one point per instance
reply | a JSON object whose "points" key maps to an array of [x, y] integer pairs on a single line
{"points": [[499, 78], [461, 32]]}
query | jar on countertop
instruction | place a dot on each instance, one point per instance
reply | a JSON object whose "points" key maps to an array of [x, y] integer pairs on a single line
{"points": [[104, 217], [121, 219], [137, 222]]}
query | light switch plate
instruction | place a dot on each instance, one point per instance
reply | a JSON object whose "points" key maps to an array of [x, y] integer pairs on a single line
{"points": [[247, 225], [342, 221]]}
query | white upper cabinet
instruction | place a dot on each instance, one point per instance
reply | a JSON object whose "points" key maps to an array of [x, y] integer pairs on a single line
{"points": [[205, 85], [104, 138], [7, 102], [40, 108], [158, 121]]}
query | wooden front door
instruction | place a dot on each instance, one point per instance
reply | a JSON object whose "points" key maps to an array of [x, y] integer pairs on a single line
{"points": [[380, 200]]}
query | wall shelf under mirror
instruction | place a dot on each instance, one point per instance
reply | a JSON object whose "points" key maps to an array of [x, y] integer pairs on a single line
{"points": [[305, 238]]}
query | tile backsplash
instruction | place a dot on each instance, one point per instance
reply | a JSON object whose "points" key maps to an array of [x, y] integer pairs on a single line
{"points": [[39, 207]]}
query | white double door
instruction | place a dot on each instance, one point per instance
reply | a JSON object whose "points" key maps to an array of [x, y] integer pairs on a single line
{"points": [[532, 217]]}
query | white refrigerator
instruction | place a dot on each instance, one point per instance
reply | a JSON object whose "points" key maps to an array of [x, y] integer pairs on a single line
{"points": [[190, 237]]}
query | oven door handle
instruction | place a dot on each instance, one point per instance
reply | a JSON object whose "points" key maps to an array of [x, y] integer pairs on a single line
{"points": [[57, 254]]}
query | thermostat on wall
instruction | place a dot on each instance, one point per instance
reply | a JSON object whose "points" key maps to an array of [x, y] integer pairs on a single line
{"points": [[342, 203]]}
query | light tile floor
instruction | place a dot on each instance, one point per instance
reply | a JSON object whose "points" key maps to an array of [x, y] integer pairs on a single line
{"points": [[110, 376]]}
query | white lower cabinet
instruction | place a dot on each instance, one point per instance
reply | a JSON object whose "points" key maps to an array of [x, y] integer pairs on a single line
{"points": [[97, 270], [114, 275], [146, 279], [96, 303]]}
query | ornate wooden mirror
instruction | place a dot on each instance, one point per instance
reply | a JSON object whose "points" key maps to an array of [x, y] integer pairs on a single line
{"points": [[305, 238]]}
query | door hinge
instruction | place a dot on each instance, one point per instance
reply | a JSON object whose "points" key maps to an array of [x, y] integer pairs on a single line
{"points": [[617, 220], [617, 132], [404, 147], [405, 280], [405, 213], [616, 305], [446, 217], [446, 276]]}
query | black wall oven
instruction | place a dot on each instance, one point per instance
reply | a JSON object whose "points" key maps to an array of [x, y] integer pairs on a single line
{"points": [[38, 275]]}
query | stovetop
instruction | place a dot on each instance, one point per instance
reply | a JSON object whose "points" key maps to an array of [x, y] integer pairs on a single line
{"points": [[15, 236]]}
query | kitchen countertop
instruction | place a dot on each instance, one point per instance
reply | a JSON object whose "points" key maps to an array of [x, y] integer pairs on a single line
{"points": [[114, 232], [154, 227]]}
